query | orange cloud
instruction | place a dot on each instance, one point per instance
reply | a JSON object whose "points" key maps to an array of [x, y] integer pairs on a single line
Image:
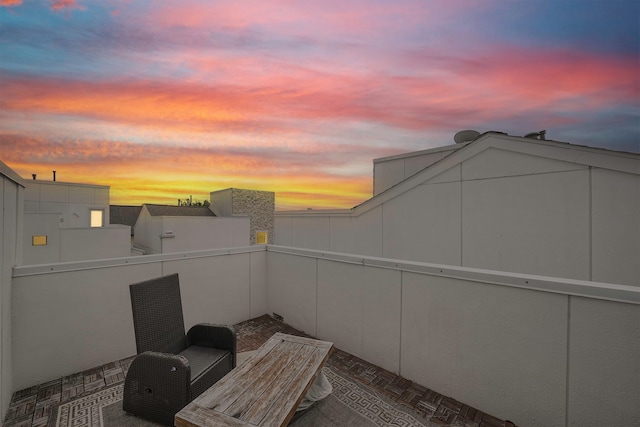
{"points": [[10, 3], [141, 173], [63, 4]]}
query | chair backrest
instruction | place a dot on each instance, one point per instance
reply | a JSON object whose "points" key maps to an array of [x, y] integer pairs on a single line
{"points": [[157, 315]]}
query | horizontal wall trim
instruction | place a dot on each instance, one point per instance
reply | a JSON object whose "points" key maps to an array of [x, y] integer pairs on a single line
{"points": [[581, 288], [31, 270]]}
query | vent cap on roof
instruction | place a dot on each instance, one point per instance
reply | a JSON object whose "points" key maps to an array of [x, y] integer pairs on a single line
{"points": [[465, 136], [537, 135]]}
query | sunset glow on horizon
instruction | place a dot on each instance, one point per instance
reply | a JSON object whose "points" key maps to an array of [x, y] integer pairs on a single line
{"points": [[162, 100]]}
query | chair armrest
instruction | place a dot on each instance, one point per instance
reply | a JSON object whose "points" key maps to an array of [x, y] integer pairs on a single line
{"points": [[222, 337], [157, 381]]}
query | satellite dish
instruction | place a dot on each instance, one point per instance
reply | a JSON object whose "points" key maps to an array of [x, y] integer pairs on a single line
{"points": [[466, 136]]}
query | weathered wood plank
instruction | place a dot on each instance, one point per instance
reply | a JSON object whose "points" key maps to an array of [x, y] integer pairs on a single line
{"points": [[236, 377], [302, 340], [284, 406], [265, 391], [263, 381], [277, 402], [203, 417]]}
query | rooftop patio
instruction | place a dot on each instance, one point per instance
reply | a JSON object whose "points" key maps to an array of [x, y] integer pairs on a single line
{"points": [[524, 348], [38, 405]]}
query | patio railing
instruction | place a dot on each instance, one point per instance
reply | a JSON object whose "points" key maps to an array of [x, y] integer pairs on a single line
{"points": [[536, 350]]}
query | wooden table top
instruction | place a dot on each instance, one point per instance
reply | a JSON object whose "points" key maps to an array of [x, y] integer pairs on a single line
{"points": [[265, 390]]}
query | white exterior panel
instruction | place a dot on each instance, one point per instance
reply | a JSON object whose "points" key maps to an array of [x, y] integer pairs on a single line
{"points": [[292, 290], [358, 235], [604, 360], [495, 348], [214, 289], [311, 232], [424, 224], [616, 227], [283, 230], [536, 224], [359, 311]]}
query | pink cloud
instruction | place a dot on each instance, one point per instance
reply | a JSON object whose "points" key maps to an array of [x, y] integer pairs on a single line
{"points": [[10, 3]]}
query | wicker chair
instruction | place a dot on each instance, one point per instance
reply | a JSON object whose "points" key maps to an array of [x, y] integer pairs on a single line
{"points": [[171, 369]]}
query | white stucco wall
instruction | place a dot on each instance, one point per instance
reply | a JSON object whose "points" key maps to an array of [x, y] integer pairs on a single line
{"points": [[489, 346], [11, 202], [73, 201], [77, 244], [75, 316], [615, 228], [41, 224], [389, 171], [538, 351], [72, 244], [510, 206], [489, 339], [198, 233]]}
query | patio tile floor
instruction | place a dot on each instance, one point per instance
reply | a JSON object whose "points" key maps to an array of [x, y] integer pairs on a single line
{"points": [[37, 405]]}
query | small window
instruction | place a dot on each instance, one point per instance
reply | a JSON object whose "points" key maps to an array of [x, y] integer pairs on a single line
{"points": [[97, 218], [261, 237], [39, 240]]}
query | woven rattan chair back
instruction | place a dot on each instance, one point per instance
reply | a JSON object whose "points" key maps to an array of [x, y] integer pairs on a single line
{"points": [[157, 315]]}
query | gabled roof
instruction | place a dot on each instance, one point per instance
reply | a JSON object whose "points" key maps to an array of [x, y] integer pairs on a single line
{"points": [[594, 157], [10, 174], [124, 215], [166, 210]]}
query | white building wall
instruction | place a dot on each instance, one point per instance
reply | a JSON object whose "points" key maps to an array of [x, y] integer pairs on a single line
{"points": [[489, 346], [77, 244], [530, 224], [91, 323], [538, 351], [73, 201], [615, 233], [41, 224], [310, 232], [147, 232], [11, 203], [189, 233], [497, 209], [604, 361], [424, 224], [489, 339], [389, 171], [361, 235], [71, 244], [359, 307]]}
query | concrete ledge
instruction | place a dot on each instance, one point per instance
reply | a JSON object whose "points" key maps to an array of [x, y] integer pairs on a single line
{"points": [[583, 288], [31, 270]]}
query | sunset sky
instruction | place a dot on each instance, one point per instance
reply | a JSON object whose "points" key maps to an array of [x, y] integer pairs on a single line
{"points": [[161, 100]]}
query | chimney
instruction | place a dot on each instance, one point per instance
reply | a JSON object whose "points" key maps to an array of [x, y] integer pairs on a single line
{"points": [[34, 176]]}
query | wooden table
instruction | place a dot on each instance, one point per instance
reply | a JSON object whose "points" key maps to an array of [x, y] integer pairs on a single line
{"points": [[263, 391]]}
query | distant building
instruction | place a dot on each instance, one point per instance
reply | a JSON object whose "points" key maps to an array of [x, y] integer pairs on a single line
{"points": [[259, 206], [124, 215], [164, 229]]}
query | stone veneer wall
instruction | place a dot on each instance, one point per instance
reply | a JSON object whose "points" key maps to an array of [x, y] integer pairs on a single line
{"points": [[259, 206]]}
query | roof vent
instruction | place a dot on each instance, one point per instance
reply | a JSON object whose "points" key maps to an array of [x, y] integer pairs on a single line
{"points": [[537, 135], [465, 136]]}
